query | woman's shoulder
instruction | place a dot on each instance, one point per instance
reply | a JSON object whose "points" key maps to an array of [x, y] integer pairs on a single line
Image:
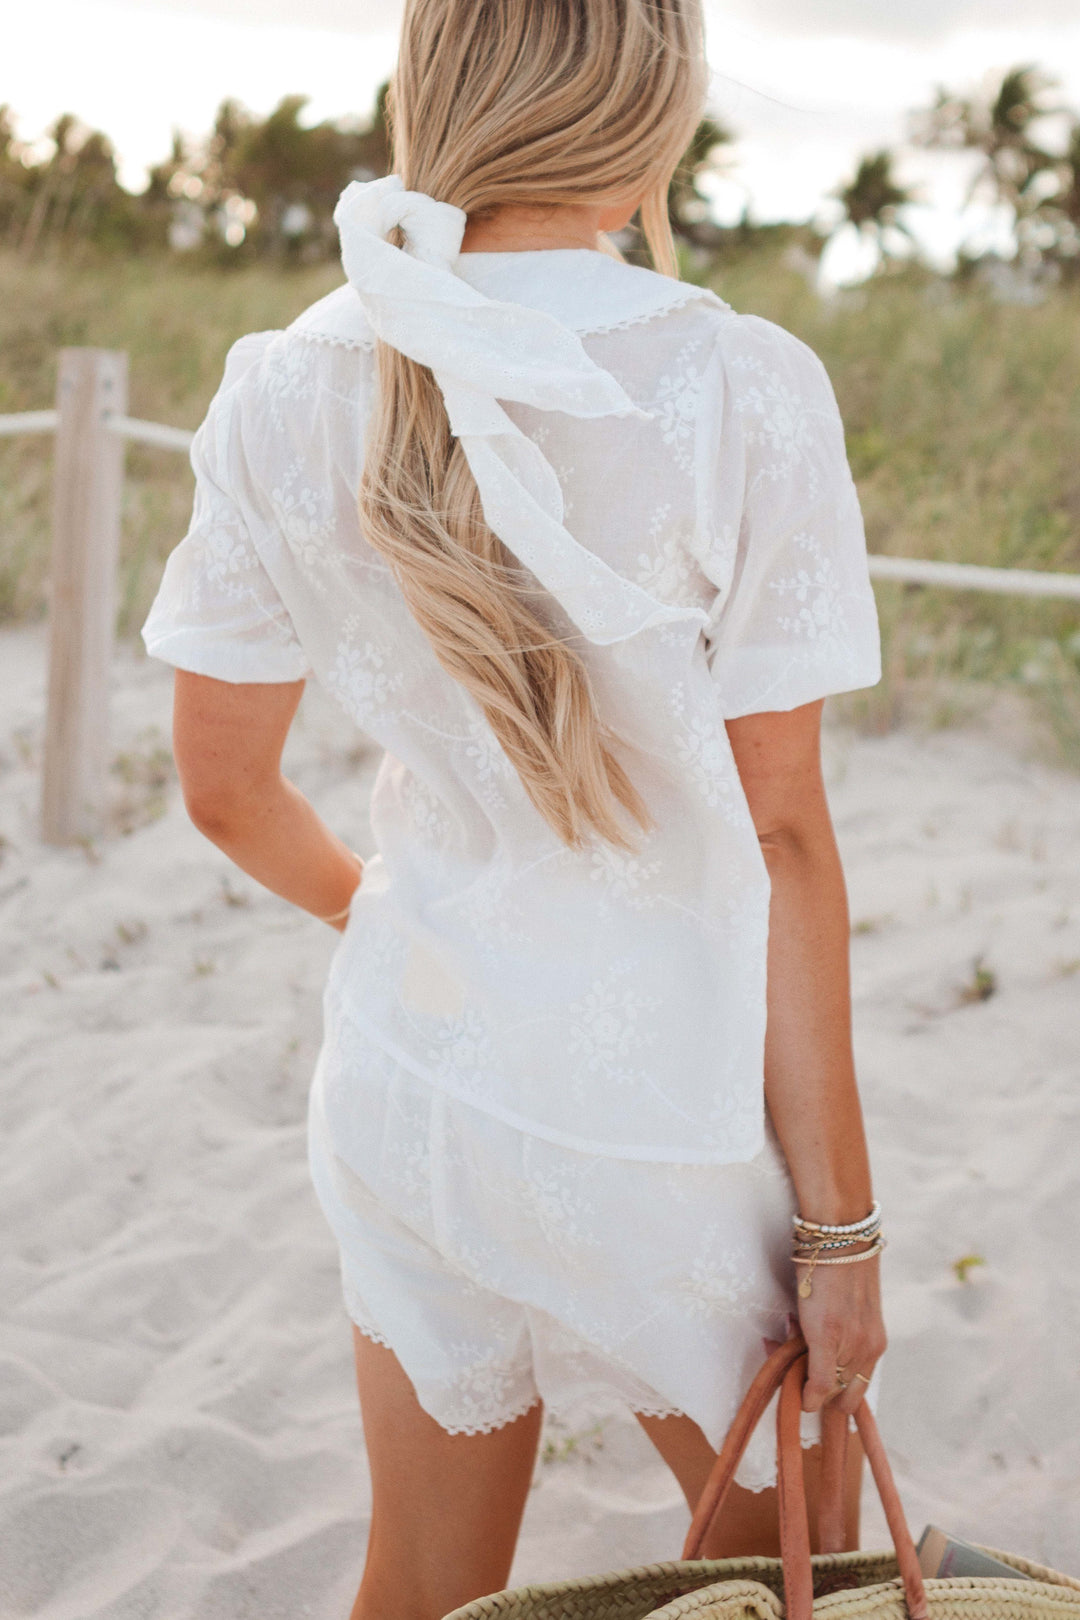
{"points": [[336, 320], [264, 372], [749, 346], [730, 346]]}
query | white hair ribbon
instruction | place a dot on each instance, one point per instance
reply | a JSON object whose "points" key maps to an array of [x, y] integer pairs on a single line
{"points": [[481, 350]]}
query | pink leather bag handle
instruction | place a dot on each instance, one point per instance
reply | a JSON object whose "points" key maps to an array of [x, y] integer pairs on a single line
{"points": [[786, 1369]]}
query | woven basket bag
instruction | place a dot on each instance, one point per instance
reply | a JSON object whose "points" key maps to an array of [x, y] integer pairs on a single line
{"points": [[795, 1586]]}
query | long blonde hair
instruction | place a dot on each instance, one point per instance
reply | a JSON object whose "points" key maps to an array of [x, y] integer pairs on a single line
{"points": [[526, 102]]}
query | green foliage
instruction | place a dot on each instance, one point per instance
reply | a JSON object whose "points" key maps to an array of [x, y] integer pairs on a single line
{"points": [[873, 199], [253, 187], [176, 319], [982, 984], [962, 412], [1040, 187], [70, 197], [962, 416], [266, 187], [688, 205], [966, 1264], [1002, 127], [271, 184]]}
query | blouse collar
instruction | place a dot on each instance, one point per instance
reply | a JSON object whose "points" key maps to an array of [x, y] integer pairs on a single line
{"points": [[584, 289]]}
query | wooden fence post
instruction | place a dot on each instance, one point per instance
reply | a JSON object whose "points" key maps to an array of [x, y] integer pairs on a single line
{"points": [[87, 490]]}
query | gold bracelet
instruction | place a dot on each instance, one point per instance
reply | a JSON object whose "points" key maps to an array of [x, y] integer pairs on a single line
{"points": [[806, 1287], [817, 1245], [842, 1260], [344, 912]]}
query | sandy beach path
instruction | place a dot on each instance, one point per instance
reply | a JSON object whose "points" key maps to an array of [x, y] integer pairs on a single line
{"points": [[178, 1429]]}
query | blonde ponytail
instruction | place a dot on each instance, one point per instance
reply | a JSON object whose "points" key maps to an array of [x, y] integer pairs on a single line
{"points": [[523, 101]]}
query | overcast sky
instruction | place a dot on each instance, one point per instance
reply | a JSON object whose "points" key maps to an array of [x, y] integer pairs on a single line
{"points": [[808, 85], [913, 19]]}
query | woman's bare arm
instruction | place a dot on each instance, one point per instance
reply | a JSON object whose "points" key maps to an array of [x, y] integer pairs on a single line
{"points": [[810, 1081], [227, 741]]}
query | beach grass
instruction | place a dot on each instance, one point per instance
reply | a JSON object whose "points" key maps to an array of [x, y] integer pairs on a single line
{"points": [[962, 418], [176, 323]]}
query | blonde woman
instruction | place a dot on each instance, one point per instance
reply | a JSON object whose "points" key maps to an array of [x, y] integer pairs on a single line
{"points": [[577, 545]]}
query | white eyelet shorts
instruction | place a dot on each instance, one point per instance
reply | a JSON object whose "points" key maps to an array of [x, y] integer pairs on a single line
{"points": [[501, 1268]]}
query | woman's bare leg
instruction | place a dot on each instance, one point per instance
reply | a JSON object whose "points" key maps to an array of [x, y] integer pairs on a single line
{"points": [[446, 1508], [750, 1521]]}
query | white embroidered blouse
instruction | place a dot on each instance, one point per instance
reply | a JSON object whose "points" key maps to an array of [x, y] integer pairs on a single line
{"points": [[674, 475]]}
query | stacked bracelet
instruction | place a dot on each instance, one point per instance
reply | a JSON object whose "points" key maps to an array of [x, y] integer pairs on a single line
{"points": [[853, 1226], [813, 1239]]}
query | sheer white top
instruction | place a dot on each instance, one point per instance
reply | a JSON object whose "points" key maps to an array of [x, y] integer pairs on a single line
{"points": [[684, 496]]}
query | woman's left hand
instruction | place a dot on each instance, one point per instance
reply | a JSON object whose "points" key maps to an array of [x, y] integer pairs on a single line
{"points": [[843, 1327]]}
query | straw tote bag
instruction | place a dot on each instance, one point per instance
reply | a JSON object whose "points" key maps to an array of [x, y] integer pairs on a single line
{"points": [[796, 1586]]}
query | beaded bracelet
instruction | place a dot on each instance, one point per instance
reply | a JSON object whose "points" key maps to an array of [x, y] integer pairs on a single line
{"points": [[852, 1226], [820, 1245], [844, 1259]]}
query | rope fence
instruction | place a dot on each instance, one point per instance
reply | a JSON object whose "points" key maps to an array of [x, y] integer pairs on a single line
{"points": [[974, 577], [155, 433], [92, 428], [28, 422]]}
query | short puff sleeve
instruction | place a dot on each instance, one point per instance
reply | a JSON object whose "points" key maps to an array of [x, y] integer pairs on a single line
{"points": [[794, 618], [217, 611]]}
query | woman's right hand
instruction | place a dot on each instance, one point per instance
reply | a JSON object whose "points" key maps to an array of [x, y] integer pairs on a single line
{"points": [[341, 921], [843, 1327]]}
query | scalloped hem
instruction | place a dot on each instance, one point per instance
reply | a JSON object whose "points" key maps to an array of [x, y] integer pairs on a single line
{"points": [[657, 1411], [757, 1482], [514, 1412], [513, 1415], [371, 1333]]}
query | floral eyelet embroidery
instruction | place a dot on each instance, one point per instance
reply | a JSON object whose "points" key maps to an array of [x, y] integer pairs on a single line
{"points": [[362, 677], [676, 403]]}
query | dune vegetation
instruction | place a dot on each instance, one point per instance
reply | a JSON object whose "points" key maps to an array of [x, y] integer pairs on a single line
{"points": [[959, 392], [962, 416]]}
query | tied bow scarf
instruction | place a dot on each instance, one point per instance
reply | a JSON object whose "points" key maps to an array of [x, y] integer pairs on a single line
{"points": [[481, 350]]}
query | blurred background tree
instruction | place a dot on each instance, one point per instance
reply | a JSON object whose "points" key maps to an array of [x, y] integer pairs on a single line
{"points": [[872, 202], [960, 402], [709, 153], [1061, 211], [13, 176], [1004, 126], [264, 188], [71, 196]]}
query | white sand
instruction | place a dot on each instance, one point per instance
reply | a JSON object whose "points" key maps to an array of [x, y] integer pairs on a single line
{"points": [[178, 1430]]}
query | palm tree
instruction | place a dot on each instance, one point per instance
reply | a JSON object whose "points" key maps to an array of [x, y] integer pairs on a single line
{"points": [[1062, 211], [1001, 127], [688, 206], [872, 201]]}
